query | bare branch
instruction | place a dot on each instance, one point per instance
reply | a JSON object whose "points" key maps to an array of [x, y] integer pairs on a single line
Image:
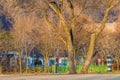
{"points": [[54, 29], [109, 7]]}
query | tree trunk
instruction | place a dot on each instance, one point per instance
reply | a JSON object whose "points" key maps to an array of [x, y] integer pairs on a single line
{"points": [[20, 63], [55, 68], [45, 64], [27, 64], [72, 69], [0, 69], [117, 65], [75, 58], [89, 54]]}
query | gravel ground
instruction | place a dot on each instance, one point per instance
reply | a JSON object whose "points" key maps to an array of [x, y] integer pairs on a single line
{"points": [[62, 77]]}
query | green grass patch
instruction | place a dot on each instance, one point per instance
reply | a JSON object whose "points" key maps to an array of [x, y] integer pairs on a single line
{"points": [[64, 69], [92, 68]]}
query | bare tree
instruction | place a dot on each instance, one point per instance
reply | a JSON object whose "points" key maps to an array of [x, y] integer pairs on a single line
{"points": [[68, 25], [23, 33], [95, 35]]}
